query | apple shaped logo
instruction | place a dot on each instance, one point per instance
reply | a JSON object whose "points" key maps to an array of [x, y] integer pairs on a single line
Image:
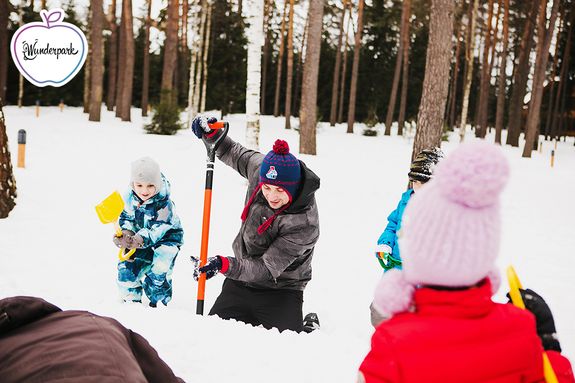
{"points": [[50, 52]]}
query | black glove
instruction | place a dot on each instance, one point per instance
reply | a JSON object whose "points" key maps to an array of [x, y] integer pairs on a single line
{"points": [[128, 240], [543, 318], [212, 267], [200, 125]]}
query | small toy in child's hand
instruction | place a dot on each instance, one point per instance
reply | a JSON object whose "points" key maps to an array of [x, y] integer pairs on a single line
{"points": [[387, 261]]}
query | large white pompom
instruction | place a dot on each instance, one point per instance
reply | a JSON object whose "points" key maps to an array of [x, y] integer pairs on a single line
{"points": [[473, 175]]}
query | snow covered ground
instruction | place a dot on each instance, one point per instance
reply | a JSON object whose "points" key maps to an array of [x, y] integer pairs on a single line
{"points": [[52, 245]]}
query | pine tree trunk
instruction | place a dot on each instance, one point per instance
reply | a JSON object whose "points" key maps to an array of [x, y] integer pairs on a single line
{"points": [[308, 110], [183, 65], [112, 58], [335, 84], [397, 70], [266, 53], [289, 74], [297, 85], [3, 47], [551, 98], [121, 63], [193, 107], [205, 58], [7, 180], [355, 69], [481, 128], [469, 73], [20, 78], [253, 84], [404, 70], [280, 64], [493, 54], [454, 77], [544, 37], [563, 78], [146, 63], [344, 70], [502, 76], [170, 50], [435, 88], [97, 60], [127, 71], [88, 64], [520, 77], [199, 59]]}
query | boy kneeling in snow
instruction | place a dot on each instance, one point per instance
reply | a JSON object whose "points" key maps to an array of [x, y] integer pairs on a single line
{"points": [[274, 248]]}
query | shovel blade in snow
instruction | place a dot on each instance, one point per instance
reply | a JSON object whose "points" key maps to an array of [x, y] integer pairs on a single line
{"points": [[109, 209]]}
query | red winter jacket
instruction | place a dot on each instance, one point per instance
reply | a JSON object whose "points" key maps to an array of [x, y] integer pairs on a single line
{"points": [[459, 336]]}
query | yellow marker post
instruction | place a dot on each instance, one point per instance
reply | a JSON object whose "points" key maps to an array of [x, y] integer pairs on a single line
{"points": [[552, 158], [37, 108], [21, 148], [514, 286], [61, 105]]}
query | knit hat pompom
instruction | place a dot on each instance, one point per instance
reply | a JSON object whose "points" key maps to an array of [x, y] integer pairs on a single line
{"points": [[393, 294], [281, 147], [475, 175]]}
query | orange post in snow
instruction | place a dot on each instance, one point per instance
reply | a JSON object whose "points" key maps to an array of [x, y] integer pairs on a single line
{"points": [[21, 148]]}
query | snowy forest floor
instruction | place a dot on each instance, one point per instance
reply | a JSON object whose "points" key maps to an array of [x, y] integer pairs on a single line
{"points": [[53, 246]]}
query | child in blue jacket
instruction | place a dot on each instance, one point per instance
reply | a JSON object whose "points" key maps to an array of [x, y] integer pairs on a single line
{"points": [[149, 225], [421, 171]]}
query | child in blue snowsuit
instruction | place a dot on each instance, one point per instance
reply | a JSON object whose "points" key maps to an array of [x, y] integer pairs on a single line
{"points": [[149, 225], [421, 171]]}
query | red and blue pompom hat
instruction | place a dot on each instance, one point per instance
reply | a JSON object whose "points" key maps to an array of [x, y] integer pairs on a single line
{"points": [[279, 168]]}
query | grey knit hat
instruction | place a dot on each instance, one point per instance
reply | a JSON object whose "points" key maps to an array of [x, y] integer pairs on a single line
{"points": [[146, 170]]}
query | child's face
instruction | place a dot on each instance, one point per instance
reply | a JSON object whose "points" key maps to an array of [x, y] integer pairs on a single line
{"points": [[416, 185], [144, 190], [275, 195]]}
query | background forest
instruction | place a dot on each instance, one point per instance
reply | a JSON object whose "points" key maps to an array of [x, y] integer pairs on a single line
{"points": [[509, 26]]}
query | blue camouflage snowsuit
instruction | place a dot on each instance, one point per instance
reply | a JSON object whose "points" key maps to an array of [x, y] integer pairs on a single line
{"points": [[389, 235], [151, 266]]}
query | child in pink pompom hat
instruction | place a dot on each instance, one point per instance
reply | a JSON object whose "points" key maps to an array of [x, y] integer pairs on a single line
{"points": [[441, 324]]}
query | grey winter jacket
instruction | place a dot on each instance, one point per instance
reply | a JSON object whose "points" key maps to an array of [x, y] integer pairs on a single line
{"points": [[279, 258]]}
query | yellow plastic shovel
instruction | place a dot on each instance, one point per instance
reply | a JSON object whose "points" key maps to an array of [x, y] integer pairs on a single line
{"points": [[109, 211], [514, 286]]}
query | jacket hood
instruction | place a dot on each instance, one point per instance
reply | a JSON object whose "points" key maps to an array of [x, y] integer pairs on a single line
{"points": [[309, 184], [19, 311]]}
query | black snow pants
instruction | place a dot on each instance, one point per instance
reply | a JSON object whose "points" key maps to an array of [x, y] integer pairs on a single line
{"points": [[279, 308]]}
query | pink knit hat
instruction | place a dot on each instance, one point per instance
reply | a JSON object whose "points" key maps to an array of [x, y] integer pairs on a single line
{"points": [[451, 227]]}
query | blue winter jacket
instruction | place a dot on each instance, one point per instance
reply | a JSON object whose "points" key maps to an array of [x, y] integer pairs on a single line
{"points": [[389, 235], [154, 220]]}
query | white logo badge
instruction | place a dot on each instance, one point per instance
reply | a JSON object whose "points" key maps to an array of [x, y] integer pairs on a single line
{"points": [[272, 174], [50, 52]]}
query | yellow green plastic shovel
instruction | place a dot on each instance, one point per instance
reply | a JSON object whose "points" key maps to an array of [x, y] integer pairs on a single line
{"points": [[514, 286], [109, 211]]}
